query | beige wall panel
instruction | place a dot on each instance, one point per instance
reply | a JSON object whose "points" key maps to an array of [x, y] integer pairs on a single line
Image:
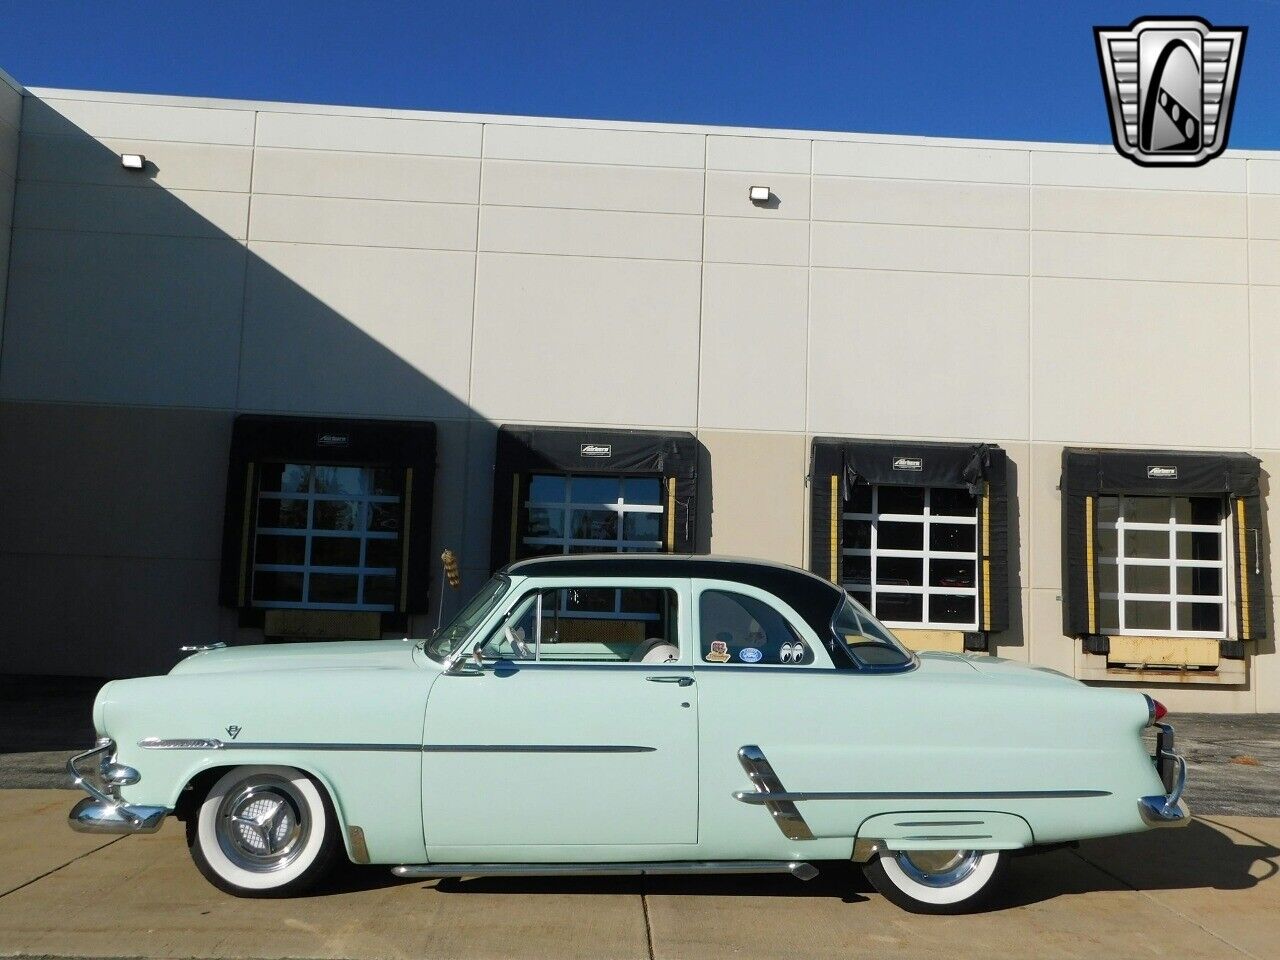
{"points": [[1264, 310], [590, 233], [100, 209], [356, 331], [1265, 668], [1043, 524], [8, 196], [1013, 644], [584, 145], [919, 162], [941, 249], [1264, 262], [1264, 217], [369, 223], [1161, 212], [130, 481], [749, 470], [891, 354], [104, 616], [365, 176], [440, 138], [585, 186], [148, 320], [928, 202], [177, 166], [586, 340], [727, 195], [758, 153], [1045, 641], [1119, 257], [753, 347], [448, 508], [9, 139], [136, 121], [1264, 175], [1108, 169], [748, 240], [1141, 364], [481, 445], [10, 103]]}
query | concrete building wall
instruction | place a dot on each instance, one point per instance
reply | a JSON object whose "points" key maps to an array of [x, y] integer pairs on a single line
{"points": [[10, 127], [475, 271]]}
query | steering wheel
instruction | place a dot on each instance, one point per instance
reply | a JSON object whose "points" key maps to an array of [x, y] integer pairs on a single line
{"points": [[518, 645]]}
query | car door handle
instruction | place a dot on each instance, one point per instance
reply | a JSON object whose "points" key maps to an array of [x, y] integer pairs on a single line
{"points": [[682, 681]]}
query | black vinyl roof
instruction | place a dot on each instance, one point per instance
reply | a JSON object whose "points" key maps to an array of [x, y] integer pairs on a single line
{"points": [[809, 595]]}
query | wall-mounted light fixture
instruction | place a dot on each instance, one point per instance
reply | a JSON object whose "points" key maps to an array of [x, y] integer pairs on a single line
{"points": [[132, 161], [759, 194]]}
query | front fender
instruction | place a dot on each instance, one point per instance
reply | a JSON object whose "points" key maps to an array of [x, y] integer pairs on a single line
{"points": [[358, 732]]}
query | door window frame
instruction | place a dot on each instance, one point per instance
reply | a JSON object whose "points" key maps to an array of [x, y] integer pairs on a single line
{"points": [[521, 590]]}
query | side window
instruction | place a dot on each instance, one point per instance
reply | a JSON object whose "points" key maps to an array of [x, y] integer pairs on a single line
{"points": [[589, 625], [735, 628]]}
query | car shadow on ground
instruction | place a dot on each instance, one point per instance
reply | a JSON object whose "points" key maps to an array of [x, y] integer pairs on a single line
{"points": [[1205, 855]]}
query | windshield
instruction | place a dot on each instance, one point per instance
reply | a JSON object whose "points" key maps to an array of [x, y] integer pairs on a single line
{"points": [[451, 637], [866, 639]]}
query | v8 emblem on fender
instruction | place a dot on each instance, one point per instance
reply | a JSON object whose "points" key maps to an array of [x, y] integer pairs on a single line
{"points": [[233, 731]]}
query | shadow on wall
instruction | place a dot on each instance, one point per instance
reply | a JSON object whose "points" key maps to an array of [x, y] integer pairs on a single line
{"points": [[140, 309], [124, 298]]}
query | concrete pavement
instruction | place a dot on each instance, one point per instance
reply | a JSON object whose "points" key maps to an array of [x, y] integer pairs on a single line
{"points": [[1208, 891]]}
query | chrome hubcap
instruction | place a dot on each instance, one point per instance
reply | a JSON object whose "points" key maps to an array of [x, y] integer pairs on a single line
{"points": [[262, 824], [937, 868]]}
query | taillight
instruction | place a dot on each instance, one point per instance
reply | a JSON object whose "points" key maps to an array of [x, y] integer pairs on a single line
{"points": [[1156, 711]]}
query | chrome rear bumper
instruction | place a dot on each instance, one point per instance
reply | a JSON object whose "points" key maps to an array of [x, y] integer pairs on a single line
{"points": [[1167, 810], [101, 811]]}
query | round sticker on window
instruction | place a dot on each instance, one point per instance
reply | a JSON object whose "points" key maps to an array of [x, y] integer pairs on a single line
{"points": [[750, 655]]}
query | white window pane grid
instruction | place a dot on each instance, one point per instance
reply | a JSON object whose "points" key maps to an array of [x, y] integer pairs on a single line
{"points": [[620, 508], [925, 520], [1171, 562], [363, 502]]}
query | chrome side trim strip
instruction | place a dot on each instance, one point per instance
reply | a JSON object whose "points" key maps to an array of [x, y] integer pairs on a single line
{"points": [[797, 868], [197, 743], [948, 836], [746, 796], [767, 784], [534, 748], [940, 823], [156, 743]]}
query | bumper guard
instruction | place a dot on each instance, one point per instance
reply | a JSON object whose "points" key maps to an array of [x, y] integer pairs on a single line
{"points": [[101, 811], [1168, 810]]}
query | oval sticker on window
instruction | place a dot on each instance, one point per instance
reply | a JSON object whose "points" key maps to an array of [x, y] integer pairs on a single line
{"points": [[750, 655]]}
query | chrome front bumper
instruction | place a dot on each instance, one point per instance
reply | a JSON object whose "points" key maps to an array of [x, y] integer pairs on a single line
{"points": [[102, 811], [1167, 810]]}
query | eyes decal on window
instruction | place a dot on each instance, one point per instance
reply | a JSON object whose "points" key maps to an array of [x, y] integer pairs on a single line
{"points": [[792, 653]]}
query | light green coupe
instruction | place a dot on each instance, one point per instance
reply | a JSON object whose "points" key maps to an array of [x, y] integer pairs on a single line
{"points": [[624, 715]]}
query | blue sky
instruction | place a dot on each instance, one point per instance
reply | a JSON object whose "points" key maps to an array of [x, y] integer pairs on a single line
{"points": [[1002, 70]]}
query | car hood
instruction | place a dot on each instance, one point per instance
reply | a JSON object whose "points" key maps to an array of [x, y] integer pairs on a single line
{"points": [[991, 668], [257, 658]]}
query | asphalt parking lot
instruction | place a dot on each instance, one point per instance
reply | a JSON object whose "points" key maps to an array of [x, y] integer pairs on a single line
{"points": [[1210, 890]]}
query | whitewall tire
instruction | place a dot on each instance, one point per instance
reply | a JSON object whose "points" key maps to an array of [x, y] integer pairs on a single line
{"points": [[264, 832], [939, 881]]}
